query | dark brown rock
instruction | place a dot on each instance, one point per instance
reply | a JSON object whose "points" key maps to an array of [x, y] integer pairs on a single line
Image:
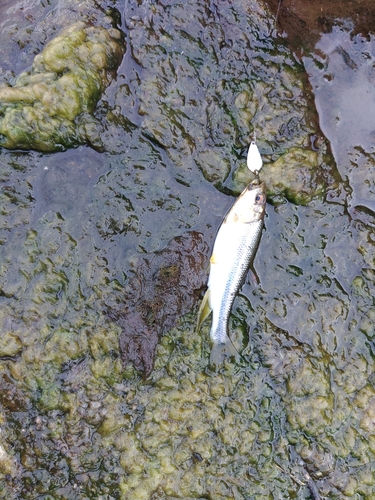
{"points": [[165, 286], [305, 20], [11, 398]]}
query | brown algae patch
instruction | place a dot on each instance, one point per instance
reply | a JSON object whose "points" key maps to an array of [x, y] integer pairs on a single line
{"points": [[165, 286]]}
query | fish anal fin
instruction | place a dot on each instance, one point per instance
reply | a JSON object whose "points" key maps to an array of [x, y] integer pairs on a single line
{"points": [[252, 278], [204, 310]]}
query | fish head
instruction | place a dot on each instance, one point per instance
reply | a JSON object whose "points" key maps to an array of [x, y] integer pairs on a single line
{"points": [[250, 205]]}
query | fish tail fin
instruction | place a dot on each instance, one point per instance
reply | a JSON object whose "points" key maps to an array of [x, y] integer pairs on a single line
{"points": [[204, 310], [222, 351]]}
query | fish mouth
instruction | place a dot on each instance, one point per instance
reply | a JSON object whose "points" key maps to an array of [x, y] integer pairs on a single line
{"points": [[256, 183]]}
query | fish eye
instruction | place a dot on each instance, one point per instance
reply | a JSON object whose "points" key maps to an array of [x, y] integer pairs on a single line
{"points": [[260, 199]]}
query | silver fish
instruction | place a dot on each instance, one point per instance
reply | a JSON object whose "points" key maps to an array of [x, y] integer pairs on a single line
{"points": [[234, 249]]}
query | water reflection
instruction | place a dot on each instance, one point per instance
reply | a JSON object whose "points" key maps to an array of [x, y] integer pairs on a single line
{"points": [[342, 75]]}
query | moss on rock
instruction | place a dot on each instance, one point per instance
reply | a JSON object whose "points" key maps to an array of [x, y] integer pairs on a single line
{"points": [[44, 108]]}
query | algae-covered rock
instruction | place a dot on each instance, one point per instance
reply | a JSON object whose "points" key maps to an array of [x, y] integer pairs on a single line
{"points": [[82, 233], [299, 175], [10, 344], [241, 86], [48, 105]]}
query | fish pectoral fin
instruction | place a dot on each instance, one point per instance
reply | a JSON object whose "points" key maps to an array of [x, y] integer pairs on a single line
{"points": [[213, 259]]}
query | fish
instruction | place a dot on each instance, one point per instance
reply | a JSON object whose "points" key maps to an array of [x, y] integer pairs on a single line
{"points": [[234, 249]]}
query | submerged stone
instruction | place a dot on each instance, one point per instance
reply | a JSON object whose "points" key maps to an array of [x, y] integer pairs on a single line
{"points": [[299, 175], [10, 344], [164, 288]]}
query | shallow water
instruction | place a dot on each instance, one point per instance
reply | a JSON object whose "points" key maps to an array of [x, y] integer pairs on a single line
{"points": [[342, 75], [75, 226]]}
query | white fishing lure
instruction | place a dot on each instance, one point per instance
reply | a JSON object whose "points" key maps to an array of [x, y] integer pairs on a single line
{"points": [[254, 160]]}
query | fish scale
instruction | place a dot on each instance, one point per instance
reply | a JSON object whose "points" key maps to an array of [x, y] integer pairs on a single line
{"points": [[236, 276]]}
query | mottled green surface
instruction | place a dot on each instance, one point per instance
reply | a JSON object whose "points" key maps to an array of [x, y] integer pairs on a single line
{"points": [[74, 424], [50, 106]]}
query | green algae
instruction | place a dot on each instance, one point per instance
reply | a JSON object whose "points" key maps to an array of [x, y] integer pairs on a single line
{"points": [[299, 175], [44, 107], [247, 430]]}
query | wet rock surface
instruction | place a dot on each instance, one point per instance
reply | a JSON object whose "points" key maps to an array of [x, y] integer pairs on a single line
{"points": [[197, 58], [77, 226], [164, 287]]}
